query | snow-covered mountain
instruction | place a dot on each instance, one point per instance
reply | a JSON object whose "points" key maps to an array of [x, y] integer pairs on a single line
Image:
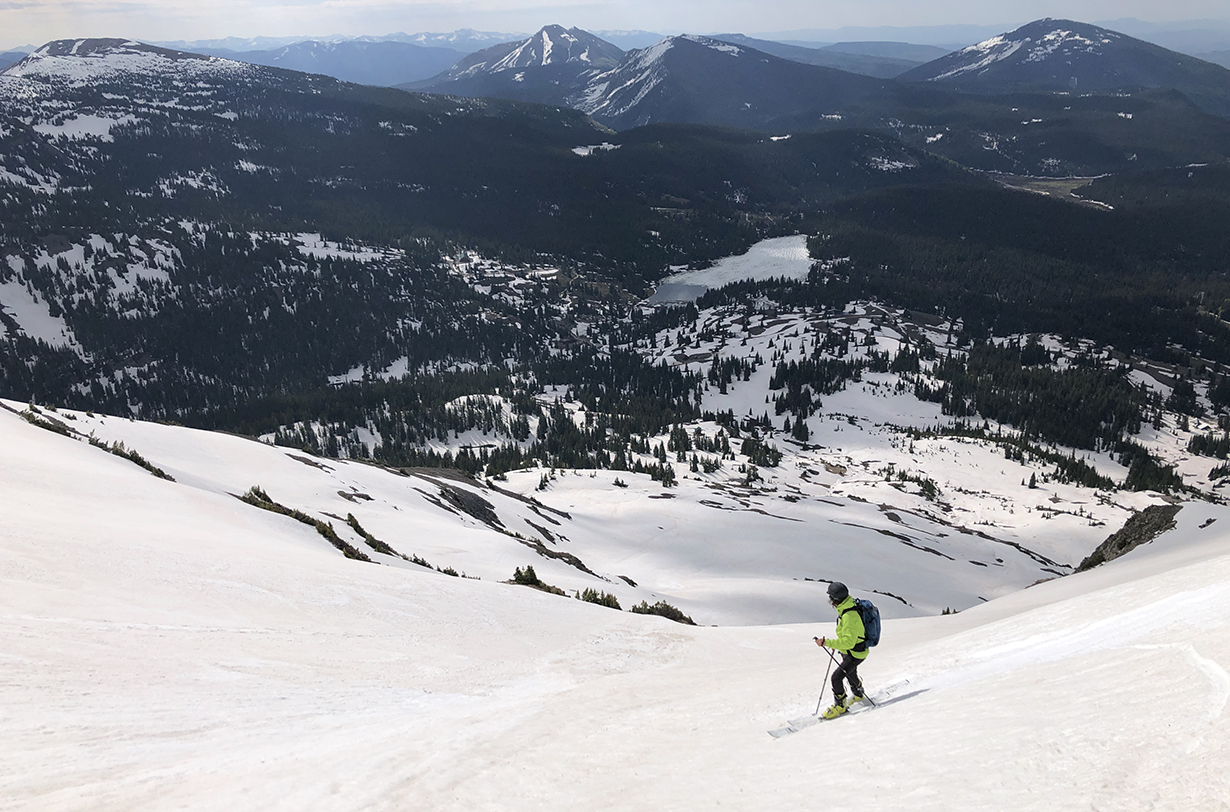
{"points": [[690, 79], [552, 45], [544, 67], [86, 62], [1062, 55], [167, 644]]}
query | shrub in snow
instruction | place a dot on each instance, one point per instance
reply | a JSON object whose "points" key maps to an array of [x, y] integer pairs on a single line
{"points": [[118, 449], [600, 598], [257, 497], [527, 577], [665, 610], [34, 417]]}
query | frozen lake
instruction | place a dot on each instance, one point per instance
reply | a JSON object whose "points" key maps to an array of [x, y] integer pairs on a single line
{"points": [[780, 257]]}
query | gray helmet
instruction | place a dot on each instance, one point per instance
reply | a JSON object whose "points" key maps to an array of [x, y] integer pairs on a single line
{"points": [[838, 592]]}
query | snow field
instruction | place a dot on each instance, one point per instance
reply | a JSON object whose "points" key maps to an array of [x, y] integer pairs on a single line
{"points": [[720, 552], [166, 646]]}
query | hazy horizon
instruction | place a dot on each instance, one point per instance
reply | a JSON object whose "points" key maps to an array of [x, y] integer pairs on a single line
{"points": [[34, 22]]}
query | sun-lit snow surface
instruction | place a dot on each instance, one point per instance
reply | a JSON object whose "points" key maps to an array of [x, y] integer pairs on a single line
{"points": [[166, 646], [778, 258], [721, 552]]}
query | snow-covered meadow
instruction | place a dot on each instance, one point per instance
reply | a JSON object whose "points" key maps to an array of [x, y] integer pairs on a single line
{"points": [[168, 646]]}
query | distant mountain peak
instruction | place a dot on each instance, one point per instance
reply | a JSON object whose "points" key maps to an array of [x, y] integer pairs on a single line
{"points": [[1036, 42], [542, 67], [552, 45], [1056, 55]]}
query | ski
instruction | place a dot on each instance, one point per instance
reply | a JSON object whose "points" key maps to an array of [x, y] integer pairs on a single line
{"points": [[884, 697]]}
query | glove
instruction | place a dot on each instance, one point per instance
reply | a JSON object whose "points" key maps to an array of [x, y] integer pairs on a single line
{"points": [[819, 641]]}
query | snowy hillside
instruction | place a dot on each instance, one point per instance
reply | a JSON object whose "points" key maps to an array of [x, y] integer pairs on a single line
{"points": [[166, 646]]}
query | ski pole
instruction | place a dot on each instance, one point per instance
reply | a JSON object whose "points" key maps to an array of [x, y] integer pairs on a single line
{"points": [[826, 678]]}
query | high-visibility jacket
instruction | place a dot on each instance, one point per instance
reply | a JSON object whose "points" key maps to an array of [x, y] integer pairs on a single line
{"points": [[851, 635]]}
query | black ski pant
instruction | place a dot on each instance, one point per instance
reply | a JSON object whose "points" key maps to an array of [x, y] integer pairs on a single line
{"points": [[848, 671]]}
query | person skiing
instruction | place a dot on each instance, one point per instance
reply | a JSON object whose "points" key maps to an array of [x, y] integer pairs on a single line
{"points": [[850, 640]]}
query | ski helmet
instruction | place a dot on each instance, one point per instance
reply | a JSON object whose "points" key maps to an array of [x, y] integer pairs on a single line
{"points": [[838, 592]]}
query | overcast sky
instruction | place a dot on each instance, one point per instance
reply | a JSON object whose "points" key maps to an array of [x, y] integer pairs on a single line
{"points": [[37, 21]]}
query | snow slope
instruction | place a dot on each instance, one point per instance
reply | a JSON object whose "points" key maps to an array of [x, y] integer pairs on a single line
{"points": [[167, 646], [721, 551]]}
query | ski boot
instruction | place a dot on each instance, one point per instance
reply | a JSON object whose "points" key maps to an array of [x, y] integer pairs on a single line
{"points": [[837, 709]]}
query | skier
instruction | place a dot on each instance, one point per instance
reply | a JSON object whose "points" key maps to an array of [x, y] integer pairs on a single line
{"points": [[850, 641]]}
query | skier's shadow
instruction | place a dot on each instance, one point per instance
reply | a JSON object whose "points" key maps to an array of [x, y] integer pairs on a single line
{"points": [[900, 697]]}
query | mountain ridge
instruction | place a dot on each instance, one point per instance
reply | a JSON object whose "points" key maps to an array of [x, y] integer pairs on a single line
{"points": [[693, 79]]}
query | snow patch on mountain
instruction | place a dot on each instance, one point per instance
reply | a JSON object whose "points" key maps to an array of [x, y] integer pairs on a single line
{"points": [[204, 180], [988, 53], [618, 90], [33, 316], [590, 150], [883, 164], [1067, 42], [716, 45], [314, 245], [23, 175], [394, 371], [82, 126]]}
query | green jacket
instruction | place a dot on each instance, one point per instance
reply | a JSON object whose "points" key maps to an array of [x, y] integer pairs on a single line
{"points": [[850, 632]]}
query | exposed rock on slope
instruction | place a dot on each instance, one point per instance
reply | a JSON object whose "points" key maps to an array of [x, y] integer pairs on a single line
{"points": [[1142, 528]]}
